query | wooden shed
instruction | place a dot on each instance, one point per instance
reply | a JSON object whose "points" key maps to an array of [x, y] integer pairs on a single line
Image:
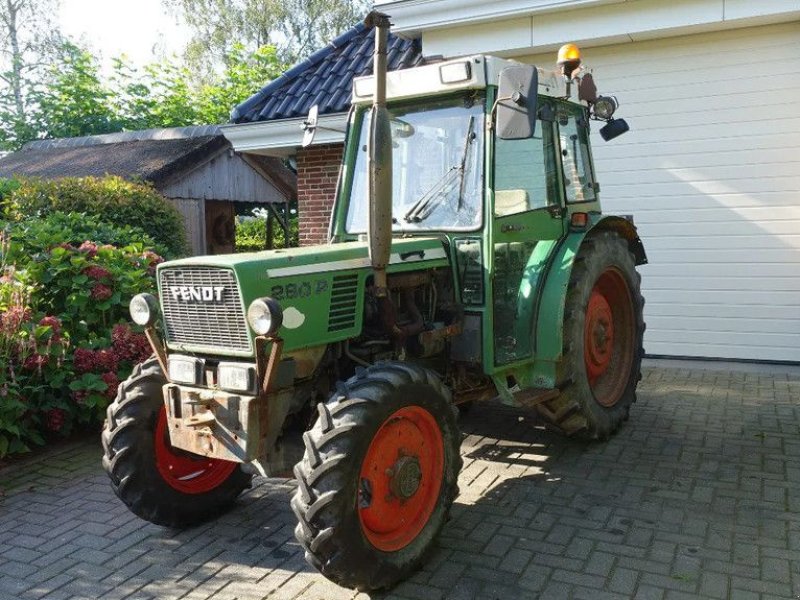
{"points": [[194, 167]]}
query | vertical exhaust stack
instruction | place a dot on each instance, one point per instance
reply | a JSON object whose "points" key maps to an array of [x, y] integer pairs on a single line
{"points": [[380, 160]]}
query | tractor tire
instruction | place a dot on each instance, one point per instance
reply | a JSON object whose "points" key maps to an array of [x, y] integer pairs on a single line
{"points": [[378, 476], [603, 330], [158, 483]]}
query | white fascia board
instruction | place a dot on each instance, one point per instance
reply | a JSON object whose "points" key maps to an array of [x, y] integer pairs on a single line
{"points": [[412, 17], [600, 25], [282, 137]]}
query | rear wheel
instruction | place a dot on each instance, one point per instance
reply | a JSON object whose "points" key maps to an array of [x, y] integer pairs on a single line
{"points": [[378, 477], [159, 483], [603, 330]]}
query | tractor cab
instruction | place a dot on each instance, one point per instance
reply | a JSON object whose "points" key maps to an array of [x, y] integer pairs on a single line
{"points": [[493, 158]]}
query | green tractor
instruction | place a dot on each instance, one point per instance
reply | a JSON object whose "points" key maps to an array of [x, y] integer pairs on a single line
{"points": [[468, 260]]}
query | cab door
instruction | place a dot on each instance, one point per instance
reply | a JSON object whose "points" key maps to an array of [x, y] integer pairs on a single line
{"points": [[527, 221]]}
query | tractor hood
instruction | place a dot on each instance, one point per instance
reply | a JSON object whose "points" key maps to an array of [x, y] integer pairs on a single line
{"points": [[320, 289], [269, 264]]}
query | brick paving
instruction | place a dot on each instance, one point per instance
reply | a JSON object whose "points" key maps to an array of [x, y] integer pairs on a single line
{"points": [[698, 496]]}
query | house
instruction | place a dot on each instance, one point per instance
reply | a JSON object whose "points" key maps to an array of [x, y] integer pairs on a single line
{"points": [[194, 167], [270, 122]]}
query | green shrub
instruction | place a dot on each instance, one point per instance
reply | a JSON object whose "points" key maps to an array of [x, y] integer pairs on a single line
{"points": [[6, 187], [111, 199], [251, 232], [35, 234], [64, 346]]}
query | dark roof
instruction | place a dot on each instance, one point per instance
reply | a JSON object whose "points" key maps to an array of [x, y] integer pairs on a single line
{"points": [[325, 78], [151, 160], [155, 155]]}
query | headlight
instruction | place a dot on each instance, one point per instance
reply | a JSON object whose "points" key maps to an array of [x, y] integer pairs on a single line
{"points": [[604, 107], [238, 377], [265, 316], [184, 369], [144, 309]]}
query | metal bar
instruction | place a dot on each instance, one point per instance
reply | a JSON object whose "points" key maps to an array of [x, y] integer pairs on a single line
{"points": [[272, 364], [158, 349]]}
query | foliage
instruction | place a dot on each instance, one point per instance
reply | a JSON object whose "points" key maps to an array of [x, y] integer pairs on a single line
{"points": [[71, 98], [28, 39], [73, 228], [6, 187], [63, 347], [74, 101], [251, 231], [108, 198], [295, 27]]}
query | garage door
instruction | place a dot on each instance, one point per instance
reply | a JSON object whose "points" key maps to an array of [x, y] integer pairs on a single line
{"points": [[711, 173]]}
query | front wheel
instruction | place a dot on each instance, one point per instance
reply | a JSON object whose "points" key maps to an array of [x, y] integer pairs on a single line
{"points": [[159, 483], [378, 477]]}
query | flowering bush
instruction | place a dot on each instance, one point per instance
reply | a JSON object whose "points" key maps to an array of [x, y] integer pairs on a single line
{"points": [[64, 342]]}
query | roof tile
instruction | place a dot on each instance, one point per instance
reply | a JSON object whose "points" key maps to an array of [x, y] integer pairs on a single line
{"points": [[325, 77]]}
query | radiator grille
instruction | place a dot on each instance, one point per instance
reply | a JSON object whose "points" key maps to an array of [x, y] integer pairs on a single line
{"points": [[218, 323], [343, 302]]}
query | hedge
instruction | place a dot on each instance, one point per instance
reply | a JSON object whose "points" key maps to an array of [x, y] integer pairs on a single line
{"points": [[111, 198]]}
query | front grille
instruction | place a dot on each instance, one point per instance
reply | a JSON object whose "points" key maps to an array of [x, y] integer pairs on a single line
{"points": [[343, 303], [197, 313]]}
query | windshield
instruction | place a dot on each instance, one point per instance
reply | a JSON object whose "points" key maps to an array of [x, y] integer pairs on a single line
{"points": [[437, 152]]}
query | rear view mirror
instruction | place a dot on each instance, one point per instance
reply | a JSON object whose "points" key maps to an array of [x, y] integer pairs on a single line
{"points": [[516, 103], [310, 126], [614, 128]]}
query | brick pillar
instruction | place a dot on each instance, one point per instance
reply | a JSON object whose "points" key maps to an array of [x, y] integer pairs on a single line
{"points": [[317, 174]]}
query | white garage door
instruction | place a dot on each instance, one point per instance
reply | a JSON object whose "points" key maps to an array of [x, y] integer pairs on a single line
{"points": [[711, 172]]}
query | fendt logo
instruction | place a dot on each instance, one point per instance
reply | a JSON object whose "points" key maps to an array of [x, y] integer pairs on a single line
{"points": [[201, 293]]}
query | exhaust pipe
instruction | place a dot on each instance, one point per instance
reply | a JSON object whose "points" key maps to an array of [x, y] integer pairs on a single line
{"points": [[379, 160]]}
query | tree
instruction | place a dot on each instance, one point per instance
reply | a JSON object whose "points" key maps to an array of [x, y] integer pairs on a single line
{"points": [[295, 27], [71, 98], [165, 95], [28, 39], [310, 24]]}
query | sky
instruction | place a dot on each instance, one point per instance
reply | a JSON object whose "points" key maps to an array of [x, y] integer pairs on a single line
{"points": [[131, 27]]}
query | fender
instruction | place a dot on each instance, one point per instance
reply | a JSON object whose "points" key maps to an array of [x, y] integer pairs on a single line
{"points": [[550, 315]]}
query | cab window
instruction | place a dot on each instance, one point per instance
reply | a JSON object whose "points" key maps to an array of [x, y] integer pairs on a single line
{"points": [[524, 172], [575, 161]]}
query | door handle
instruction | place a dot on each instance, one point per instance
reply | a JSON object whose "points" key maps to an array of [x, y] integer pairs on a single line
{"points": [[509, 227]]}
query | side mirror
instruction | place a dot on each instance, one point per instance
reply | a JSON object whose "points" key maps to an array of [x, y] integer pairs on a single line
{"points": [[614, 128], [516, 103], [310, 125]]}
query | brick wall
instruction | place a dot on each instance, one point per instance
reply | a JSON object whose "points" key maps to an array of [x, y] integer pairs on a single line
{"points": [[317, 174]]}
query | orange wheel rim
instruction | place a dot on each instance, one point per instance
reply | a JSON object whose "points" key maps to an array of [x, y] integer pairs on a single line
{"points": [[183, 471], [609, 337], [400, 478]]}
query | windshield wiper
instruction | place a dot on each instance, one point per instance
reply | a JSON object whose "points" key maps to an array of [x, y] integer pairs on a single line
{"points": [[467, 141], [430, 200]]}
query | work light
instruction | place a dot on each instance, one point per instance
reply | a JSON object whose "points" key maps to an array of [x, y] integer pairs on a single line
{"points": [[265, 316], [143, 309], [604, 107], [236, 377]]}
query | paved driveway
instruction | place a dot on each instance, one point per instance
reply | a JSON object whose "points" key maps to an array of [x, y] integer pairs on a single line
{"points": [[697, 496]]}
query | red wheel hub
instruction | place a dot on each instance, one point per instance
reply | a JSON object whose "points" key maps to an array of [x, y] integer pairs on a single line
{"points": [[400, 478], [599, 336], [184, 471], [609, 337]]}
